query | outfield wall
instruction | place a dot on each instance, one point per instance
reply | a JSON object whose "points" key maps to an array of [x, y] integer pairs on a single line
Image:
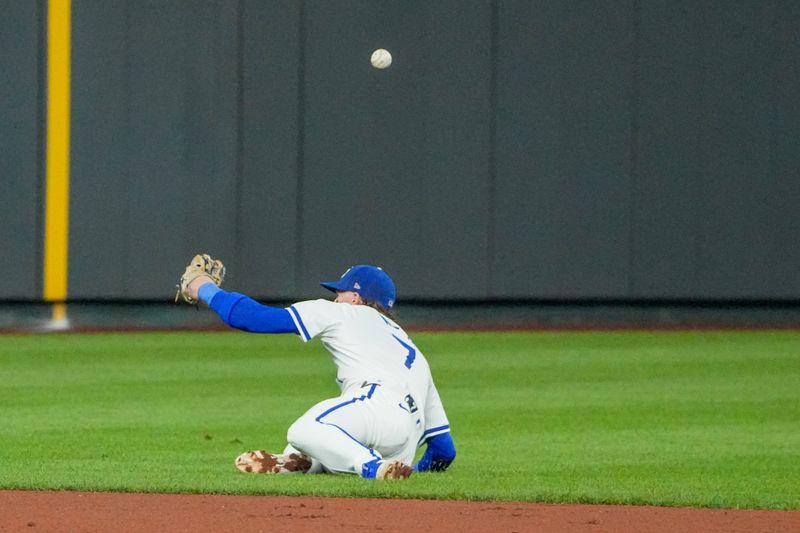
{"points": [[515, 149]]}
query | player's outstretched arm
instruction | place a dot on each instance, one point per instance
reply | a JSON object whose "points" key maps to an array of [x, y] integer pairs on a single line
{"points": [[242, 312], [439, 454]]}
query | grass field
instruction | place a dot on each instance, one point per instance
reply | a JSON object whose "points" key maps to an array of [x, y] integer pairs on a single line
{"points": [[696, 418]]}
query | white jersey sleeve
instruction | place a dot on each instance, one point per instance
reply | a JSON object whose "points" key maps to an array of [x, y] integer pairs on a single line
{"points": [[314, 317], [436, 421]]}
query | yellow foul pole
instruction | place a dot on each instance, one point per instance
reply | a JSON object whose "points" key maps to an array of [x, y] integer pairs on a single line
{"points": [[56, 220]]}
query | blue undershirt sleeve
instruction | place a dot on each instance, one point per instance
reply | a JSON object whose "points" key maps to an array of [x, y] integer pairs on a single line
{"points": [[441, 451], [242, 312]]}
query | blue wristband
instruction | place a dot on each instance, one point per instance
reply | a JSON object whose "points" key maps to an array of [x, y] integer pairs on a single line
{"points": [[207, 292]]}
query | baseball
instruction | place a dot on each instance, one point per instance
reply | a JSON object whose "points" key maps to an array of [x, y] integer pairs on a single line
{"points": [[381, 58]]}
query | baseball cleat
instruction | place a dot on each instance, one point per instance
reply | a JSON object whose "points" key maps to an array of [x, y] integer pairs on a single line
{"points": [[393, 470], [261, 462]]}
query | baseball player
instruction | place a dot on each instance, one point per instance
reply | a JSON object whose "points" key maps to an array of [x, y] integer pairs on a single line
{"points": [[388, 404]]}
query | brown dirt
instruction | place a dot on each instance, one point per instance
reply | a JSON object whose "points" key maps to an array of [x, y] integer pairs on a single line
{"points": [[33, 511]]}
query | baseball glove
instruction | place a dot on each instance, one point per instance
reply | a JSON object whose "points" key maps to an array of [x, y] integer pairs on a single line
{"points": [[201, 265]]}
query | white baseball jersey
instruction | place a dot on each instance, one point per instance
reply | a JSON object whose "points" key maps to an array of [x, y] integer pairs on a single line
{"points": [[368, 347]]}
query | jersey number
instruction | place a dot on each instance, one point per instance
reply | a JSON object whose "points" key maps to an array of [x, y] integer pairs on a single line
{"points": [[412, 353]]}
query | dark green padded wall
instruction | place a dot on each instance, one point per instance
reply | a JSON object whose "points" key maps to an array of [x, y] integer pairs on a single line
{"points": [[22, 108], [717, 175], [396, 161], [564, 86], [515, 148]]}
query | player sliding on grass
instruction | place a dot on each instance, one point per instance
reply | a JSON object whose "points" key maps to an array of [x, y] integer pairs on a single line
{"points": [[388, 404]]}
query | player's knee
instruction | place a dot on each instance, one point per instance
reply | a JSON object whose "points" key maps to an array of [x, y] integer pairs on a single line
{"points": [[301, 434]]}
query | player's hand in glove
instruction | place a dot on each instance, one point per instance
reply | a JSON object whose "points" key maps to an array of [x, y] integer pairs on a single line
{"points": [[201, 265]]}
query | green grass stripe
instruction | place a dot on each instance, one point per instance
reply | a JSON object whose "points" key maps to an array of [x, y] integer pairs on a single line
{"points": [[678, 418]]}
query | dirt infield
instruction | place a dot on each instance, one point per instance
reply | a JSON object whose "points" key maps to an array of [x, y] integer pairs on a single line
{"points": [[94, 512]]}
